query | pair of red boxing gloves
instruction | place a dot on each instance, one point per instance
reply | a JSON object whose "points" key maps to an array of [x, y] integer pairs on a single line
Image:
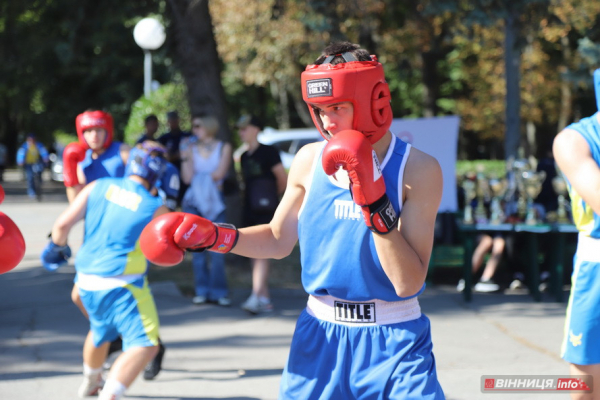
{"points": [[166, 238]]}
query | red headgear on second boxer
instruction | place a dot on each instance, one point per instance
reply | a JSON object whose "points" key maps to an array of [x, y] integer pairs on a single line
{"points": [[95, 119], [360, 82]]}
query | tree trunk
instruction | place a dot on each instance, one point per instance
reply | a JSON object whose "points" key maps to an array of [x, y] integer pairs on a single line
{"points": [[512, 63], [566, 96], [199, 60]]}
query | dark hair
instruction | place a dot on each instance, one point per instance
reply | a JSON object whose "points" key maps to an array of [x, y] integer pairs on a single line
{"points": [[150, 117], [338, 48], [248, 119]]}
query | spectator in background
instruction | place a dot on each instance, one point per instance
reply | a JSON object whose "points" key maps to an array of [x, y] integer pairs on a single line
{"points": [[150, 129], [265, 181], [493, 244], [172, 141], [3, 160], [172, 138], [205, 162], [548, 198], [33, 157]]}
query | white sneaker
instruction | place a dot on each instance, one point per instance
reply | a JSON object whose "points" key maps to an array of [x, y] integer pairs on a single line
{"points": [[461, 285], [224, 302], [517, 284], [91, 385], [254, 305], [199, 300], [486, 286]]}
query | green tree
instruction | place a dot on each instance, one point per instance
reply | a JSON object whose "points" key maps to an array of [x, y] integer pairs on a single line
{"points": [[62, 57]]}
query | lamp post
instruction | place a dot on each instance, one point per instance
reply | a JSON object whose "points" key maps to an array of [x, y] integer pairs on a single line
{"points": [[149, 34]]}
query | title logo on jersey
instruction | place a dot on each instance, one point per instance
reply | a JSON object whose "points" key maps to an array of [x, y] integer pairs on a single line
{"points": [[376, 167], [347, 209], [360, 313], [123, 198], [319, 87]]}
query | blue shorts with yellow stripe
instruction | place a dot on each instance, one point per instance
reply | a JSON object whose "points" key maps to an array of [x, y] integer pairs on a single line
{"points": [[582, 327], [128, 311]]}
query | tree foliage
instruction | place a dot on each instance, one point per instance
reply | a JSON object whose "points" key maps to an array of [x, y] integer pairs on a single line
{"points": [[171, 96], [237, 56]]}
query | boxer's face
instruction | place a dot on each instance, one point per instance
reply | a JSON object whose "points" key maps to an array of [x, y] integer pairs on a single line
{"points": [[336, 117], [95, 138]]}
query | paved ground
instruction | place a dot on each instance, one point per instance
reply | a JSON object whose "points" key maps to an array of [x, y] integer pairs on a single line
{"points": [[223, 353]]}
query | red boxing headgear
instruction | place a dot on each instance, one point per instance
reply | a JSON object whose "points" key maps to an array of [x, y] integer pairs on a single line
{"points": [[95, 119], [360, 82]]}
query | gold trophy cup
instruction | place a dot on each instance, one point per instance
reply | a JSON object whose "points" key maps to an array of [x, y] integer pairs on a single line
{"points": [[532, 186], [498, 188], [559, 184], [469, 187]]}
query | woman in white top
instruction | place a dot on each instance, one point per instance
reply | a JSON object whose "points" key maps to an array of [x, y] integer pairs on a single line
{"points": [[205, 161]]}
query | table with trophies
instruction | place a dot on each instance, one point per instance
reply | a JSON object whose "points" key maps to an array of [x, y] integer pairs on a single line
{"points": [[512, 211]]}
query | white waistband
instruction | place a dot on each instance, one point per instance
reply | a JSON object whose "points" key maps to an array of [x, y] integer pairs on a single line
{"points": [[588, 248], [362, 313], [97, 282]]}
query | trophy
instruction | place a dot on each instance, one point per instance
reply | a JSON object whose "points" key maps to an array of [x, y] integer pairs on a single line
{"points": [[517, 168], [532, 186], [483, 193], [498, 188], [560, 187], [469, 187]]}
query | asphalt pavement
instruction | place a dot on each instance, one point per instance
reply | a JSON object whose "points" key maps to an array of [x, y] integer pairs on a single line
{"points": [[224, 353]]}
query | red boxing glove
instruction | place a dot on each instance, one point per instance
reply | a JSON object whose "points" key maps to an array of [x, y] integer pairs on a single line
{"points": [[73, 154], [165, 239], [352, 151], [12, 244]]}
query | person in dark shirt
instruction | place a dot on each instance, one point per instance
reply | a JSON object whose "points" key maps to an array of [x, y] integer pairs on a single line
{"points": [[150, 129], [265, 179], [172, 141]]}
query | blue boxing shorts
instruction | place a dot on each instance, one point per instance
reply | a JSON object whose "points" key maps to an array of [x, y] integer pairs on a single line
{"points": [[582, 326], [361, 350], [127, 311]]}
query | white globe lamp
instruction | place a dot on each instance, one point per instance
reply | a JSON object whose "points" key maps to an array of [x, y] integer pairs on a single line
{"points": [[149, 34]]}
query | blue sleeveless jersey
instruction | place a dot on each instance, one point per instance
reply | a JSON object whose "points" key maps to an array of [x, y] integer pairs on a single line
{"points": [[585, 219], [108, 164], [337, 250], [117, 211]]}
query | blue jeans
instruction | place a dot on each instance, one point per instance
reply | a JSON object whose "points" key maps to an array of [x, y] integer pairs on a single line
{"points": [[209, 281], [33, 172]]}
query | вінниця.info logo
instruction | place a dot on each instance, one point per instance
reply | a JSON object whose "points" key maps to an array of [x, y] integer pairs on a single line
{"points": [[536, 383]]}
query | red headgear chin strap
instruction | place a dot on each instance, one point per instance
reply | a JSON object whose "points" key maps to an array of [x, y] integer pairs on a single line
{"points": [[94, 119], [360, 82]]}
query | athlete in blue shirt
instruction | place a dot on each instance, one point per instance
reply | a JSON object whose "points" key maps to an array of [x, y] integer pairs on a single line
{"points": [[96, 155], [111, 269], [577, 153], [363, 206]]}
